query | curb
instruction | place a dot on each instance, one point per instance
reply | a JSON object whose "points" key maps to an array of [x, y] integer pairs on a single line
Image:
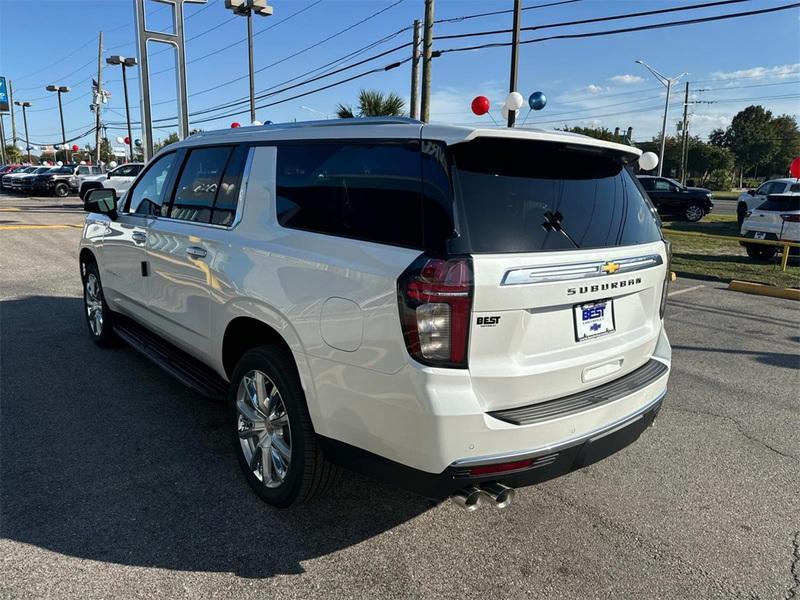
{"points": [[764, 290]]}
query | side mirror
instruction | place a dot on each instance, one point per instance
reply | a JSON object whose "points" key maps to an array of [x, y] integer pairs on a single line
{"points": [[108, 176], [102, 200], [751, 192]]}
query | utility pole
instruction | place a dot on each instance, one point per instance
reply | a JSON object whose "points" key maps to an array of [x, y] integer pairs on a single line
{"points": [[512, 83], [685, 132], [427, 55], [98, 99], [415, 72], [2, 141], [13, 120]]}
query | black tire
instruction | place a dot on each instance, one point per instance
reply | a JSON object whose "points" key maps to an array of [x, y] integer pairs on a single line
{"points": [[102, 332], [309, 473], [741, 213], [693, 212], [761, 253], [61, 190]]}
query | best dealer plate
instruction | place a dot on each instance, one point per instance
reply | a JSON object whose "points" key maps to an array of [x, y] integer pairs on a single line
{"points": [[593, 318]]}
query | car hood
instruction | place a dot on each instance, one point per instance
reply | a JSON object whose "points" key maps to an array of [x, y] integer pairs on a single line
{"points": [[100, 177]]}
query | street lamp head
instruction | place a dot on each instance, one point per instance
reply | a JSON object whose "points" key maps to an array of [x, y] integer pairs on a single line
{"points": [[51, 88], [58, 88], [115, 59], [22, 104], [130, 62]]}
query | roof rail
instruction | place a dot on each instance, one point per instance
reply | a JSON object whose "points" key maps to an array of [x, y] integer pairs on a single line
{"points": [[355, 121]]}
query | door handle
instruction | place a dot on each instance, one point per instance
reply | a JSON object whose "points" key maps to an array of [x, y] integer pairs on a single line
{"points": [[139, 237], [196, 252]]}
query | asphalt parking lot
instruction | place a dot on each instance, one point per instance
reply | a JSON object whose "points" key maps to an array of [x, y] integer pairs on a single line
{"points": [[118, 482]]}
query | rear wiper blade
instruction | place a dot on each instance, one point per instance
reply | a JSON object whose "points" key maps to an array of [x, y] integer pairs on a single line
{"points": [[553, 223]]}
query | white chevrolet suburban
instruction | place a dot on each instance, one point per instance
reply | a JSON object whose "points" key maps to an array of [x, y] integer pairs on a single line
{"points": [[457, 311]]}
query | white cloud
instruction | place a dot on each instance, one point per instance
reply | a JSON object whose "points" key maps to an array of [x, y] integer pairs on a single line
{"points": [[778, 71], [594, 89], [626, 79]]}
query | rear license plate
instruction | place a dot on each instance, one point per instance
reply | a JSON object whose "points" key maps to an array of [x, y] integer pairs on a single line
{"points": [[761, 235], [593, 318]]}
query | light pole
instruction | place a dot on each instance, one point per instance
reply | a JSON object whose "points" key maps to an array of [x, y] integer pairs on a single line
{"points": [[61, 89], [667, 83], [246, 8], [125, 63], [25, 105]]}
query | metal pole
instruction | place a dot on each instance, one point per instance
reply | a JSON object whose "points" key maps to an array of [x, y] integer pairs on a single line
{"points": [[127, 111], [13, 119], [98, 99], [427, 51], [512, 82], [414, 112], [27, 141], [2, 141], [664, 131], [685, 141], [252, 68], [63, 133]]}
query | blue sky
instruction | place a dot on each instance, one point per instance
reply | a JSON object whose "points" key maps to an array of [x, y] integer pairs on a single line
{"points": [[591, 81]]}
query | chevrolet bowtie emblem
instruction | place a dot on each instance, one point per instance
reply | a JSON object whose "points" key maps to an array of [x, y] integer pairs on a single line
{"points": [[610, 268]]}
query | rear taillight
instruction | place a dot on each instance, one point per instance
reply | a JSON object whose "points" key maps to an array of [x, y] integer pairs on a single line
{"points": [[435, 301], [791, 218], [665, 288]]}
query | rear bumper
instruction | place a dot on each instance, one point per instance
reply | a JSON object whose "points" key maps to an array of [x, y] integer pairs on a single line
{"points": [[427, 429], [545, 463]]}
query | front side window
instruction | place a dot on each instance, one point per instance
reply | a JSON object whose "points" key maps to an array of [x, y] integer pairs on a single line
{"points": [[363, 190], [527, 196], [663, 185], [147, 196], [198, 184], [83, 170]]}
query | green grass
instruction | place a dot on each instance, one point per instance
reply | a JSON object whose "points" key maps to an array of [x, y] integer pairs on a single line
{"points": [[723, 259], [723, 195]]}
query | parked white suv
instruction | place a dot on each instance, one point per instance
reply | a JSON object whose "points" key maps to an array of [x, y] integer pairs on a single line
{"points": [[752, 199], [119, 179], [459, 311]]}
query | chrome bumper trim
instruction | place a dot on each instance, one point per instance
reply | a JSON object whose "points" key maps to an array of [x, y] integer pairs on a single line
{"points": [[574, 441]]}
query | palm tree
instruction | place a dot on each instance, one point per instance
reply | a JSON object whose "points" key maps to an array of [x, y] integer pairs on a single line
{"points": [[372, 103]]}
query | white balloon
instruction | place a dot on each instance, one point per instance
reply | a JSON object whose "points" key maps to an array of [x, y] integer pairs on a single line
{"points": [[504, 112], [120, 139], [257, 123], [60, 164], [648, 161], [514, 101], [83, 162], [112, 164]]}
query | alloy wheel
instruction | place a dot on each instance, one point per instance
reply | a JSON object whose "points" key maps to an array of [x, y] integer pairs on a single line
{"points": [[694, 213], [263, 428], [93, 296]]}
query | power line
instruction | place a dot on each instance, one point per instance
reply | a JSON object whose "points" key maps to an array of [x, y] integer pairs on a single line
{"points": [[668, 24], [503, 12]]}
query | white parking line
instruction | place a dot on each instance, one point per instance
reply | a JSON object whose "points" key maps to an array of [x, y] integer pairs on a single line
{"points": [[684, 290]]}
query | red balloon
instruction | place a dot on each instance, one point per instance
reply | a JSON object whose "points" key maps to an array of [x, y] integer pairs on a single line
{"points": [[794, 168], [480, 105], [234, 125], [127, 140], [75, 147]]}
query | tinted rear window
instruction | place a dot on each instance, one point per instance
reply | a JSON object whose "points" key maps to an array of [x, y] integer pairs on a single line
{"points": [[785, 203], [524, 196]]}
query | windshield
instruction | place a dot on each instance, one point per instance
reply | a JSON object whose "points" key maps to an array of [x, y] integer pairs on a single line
{"points": [[526, 196]]}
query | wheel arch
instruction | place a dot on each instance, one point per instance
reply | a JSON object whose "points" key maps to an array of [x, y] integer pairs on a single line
{"points": [[86, 256]]}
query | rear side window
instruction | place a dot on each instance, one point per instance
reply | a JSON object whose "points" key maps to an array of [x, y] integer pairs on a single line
{"points": [[527, 196], [198, 184], [363, 190]]}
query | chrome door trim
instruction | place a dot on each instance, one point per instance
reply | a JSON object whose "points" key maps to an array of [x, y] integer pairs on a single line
{"points": [[528, 275]]}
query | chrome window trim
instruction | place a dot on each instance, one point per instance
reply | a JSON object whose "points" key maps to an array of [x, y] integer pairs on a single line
{"points": [[563, 445], [529, 275]]}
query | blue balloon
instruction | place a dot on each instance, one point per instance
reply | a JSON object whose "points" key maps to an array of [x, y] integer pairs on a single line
{"points": [[138, 143], [537, 101]]}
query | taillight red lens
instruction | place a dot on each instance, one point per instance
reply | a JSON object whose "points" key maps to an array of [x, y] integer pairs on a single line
{"points": [[435, 301], [500, 467], [791, 218]]}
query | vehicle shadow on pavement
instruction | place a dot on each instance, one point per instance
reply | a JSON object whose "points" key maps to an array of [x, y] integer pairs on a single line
{"points": [[107, 458], [772, 359]]}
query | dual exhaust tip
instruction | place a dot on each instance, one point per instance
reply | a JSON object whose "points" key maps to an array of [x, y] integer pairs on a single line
{"points": [[471, 497]]}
